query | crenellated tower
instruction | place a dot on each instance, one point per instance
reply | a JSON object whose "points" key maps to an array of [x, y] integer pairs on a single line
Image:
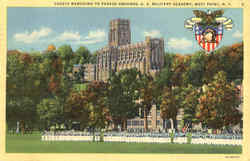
{"points": [[119, 32]]}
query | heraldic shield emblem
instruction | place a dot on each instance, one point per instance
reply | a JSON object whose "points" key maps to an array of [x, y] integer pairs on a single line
{"points": [[208, 28]]}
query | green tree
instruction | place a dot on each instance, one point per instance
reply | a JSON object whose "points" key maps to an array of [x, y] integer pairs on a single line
{"points": [[82, 55], [59, 81], [146, 91], [22, 110], [172, 70], [122, 96], [97, 102], [50, 112], [196, 68], [66, 54], [191, 95], [172, 101], [24, 88], [179, 68], [231, 61]]}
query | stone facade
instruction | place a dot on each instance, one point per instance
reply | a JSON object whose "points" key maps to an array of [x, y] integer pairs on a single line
{"points": [[146, 56]]}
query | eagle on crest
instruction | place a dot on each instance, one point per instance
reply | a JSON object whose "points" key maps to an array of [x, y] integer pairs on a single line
{"points": [[208, 18]]}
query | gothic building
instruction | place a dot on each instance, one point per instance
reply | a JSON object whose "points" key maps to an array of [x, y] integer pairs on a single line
{"points": [[146, 56]]}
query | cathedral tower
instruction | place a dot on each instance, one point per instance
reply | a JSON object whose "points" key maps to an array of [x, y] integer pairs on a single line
{"points": [[119, 32]]}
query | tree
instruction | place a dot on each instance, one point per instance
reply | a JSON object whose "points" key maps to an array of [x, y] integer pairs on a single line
{"points": [[82, 56], [34, 78], [196, 68], [24, 88], [146, 96], [78, 74], [22, 110], [219, 102], [122, 96], [77, 108], [174, 72], [231, 61], [50, 112], [171, 103], [191, 95], [58, 80], [65, 52], [97, 99], [212, 66], [164, 78], [178, 69]]}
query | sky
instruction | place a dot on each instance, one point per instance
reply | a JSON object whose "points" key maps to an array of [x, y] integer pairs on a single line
{"points": [[33, 29]]}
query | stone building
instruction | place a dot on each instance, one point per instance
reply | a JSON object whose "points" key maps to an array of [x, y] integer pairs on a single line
{"points": [[146, 56]]}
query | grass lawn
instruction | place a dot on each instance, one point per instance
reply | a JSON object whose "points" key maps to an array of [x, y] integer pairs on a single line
{"points": [[33, 144]]}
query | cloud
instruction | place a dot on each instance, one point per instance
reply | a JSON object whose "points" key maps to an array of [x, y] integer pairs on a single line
{"points": [[73, 37], [179, 43], [98, 34], [68, 36], [94, 41], [93, 37], [237, 34], [30, 37], [152, 33]]}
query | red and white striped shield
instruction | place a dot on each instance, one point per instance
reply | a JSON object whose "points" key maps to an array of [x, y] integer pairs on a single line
{"points": [[208, 38]]}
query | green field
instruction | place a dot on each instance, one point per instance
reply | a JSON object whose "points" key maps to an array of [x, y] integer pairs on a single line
{"points": [[33, 144]]}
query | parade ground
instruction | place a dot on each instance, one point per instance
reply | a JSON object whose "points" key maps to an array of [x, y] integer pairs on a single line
{"points": [[32, 144]]}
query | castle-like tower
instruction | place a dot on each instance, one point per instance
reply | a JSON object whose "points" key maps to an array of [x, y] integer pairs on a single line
{"points": [[119, 32], [146, 56]]}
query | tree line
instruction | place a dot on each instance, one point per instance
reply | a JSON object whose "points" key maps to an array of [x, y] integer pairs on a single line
{"points": [[43, 90]]}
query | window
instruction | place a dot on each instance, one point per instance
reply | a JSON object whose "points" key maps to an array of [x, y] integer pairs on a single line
{"points": [[135, 122], [158, 122], [142, 122], [129, 123]]}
